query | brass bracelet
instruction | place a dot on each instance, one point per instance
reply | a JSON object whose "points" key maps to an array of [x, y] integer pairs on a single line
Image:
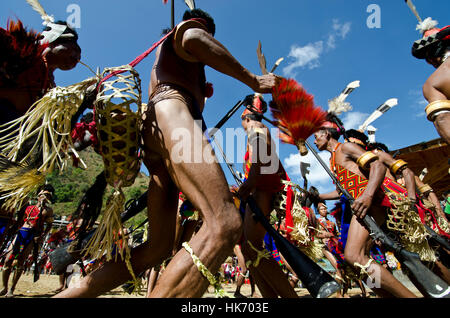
{"points": [[365, 159], [397, 166], [435, 107], [424, 189]]}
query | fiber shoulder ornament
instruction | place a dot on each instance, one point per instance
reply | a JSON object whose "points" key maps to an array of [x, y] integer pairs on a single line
{"points": [[301, 233], [47, 124], [405, 222], [117, 116]]}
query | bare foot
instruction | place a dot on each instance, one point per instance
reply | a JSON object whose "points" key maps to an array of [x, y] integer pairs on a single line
{"points": [[3, 292], [10, 294]]}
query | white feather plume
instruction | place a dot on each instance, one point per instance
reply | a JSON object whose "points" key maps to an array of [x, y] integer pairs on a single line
{"points": [[190, 4], [426, 25], [338, 106], [39, 9]]}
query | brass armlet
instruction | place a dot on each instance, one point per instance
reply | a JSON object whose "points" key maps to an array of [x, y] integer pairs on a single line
{"points": [[435, 107], [425, 189], [397, 166], [365, 159], [178, 38]]}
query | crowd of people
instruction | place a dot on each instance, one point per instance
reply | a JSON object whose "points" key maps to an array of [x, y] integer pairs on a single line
{"points": [[195, 219]]}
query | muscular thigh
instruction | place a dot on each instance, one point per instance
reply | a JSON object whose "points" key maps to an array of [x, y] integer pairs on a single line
{"points": [[358, 236], [254, 230], [170, 135]]}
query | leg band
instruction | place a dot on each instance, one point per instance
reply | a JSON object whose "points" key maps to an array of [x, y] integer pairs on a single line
{"points": [[363, 268], [213, 280], [260, 254]]}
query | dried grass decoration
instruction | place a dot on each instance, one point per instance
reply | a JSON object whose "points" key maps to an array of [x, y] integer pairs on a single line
{"points": [[302, 233], [44, 129], [117, 116]]}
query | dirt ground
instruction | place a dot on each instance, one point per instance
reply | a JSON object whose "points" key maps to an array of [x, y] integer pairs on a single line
{"points": [[47, 284]]}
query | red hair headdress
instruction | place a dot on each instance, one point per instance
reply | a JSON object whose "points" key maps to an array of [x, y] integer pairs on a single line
{"points": [[295, 113]]}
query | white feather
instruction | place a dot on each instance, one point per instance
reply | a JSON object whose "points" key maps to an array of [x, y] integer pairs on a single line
{"points": [[413, 9], [426, 25], [190, 4], [338, 106], [39, 9]]}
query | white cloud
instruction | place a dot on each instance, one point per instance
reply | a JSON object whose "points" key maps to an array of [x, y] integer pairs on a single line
{"points": [[317, 176], [304, 56], [309, 55], [352, 120], [341, 29], [418, 102]]}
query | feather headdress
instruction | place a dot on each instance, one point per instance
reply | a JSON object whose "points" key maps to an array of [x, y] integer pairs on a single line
{"points": [[338, 105], [383, 108], [39, 9], [295, 113], [55, 30], [424, 25], [19, 50], [190, 4]]}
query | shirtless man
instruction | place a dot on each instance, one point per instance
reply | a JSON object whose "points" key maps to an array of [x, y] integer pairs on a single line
{"points": [[366, 191], [263, 172], [36, 218], [435, 49], [177, 98]]}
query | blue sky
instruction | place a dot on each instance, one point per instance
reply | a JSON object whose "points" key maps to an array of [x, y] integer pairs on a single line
{"points": [[326, 44]]}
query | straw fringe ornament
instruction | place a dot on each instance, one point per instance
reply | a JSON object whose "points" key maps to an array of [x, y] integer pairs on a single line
{"points": [[301, 230], [16, 182], [405, 222], [118, 108], [48, 125]]}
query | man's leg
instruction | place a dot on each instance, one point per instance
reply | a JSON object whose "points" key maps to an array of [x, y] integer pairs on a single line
{"points": [[440, 270], [204, 184], [23, 255], [162, 209], [5, 274], [356, 253], [152, 278], [267, 269], [264, 288], [243, 273]]}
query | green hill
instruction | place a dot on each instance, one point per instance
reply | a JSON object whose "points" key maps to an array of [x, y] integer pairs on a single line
{"points": [[71, 184]]}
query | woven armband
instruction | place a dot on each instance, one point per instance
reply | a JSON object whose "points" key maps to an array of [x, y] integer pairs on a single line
{"points": [[178, 38], [365, 159], [397, 166], [437, 106], [425, 189]]}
